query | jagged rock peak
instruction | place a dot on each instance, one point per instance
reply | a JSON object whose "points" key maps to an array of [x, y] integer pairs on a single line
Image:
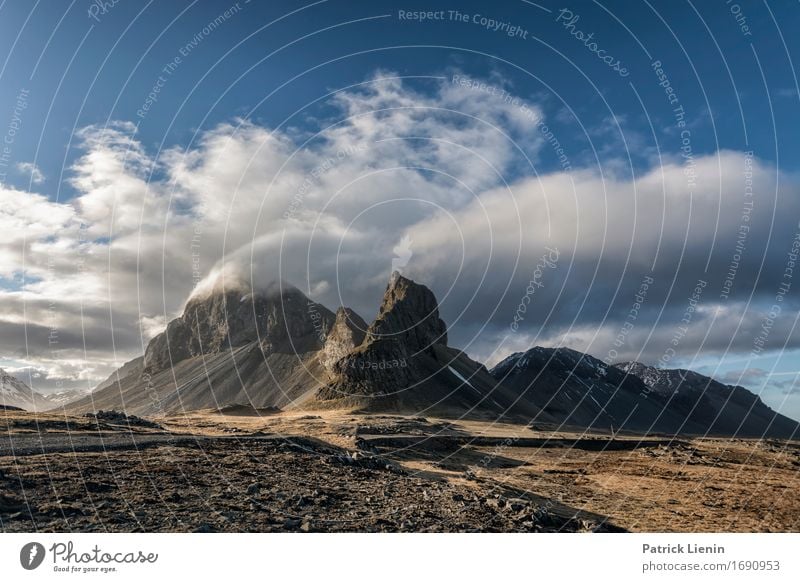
{"points": [[408, 313], [347, 333]]}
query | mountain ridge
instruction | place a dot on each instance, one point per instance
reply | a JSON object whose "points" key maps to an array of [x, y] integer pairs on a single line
{"points": [[279, 349], [637, 397], [17, 393]]}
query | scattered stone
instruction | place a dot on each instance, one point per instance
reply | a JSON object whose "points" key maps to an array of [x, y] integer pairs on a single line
{"points": [[120, 418], [10, 504], [291, 523], [97, 487]]}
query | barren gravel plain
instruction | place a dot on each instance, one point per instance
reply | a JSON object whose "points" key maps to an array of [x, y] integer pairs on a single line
{"points": [[245, 470]]}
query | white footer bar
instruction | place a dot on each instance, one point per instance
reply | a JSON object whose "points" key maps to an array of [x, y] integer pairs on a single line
{"points": [[388, 557]]}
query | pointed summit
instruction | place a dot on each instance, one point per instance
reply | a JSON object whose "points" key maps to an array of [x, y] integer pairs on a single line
{"points": [[409, 313], [404, 364]]}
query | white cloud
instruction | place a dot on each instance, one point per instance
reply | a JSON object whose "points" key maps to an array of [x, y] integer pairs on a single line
{"points": [[31, 169], [325, 211]]}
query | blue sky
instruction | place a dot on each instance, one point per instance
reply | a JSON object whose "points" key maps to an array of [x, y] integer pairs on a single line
{"points": [[81, 71], [137, 119]]}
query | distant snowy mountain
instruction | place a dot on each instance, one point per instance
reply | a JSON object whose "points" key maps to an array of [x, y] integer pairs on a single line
{"points": [[583, 391], [64, 397], [14, 392], [704, 401]]}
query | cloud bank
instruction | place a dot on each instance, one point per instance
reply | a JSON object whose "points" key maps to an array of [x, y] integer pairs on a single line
{"points": [[449, 175]]}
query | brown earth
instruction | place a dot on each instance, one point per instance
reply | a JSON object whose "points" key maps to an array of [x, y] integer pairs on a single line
{"points": [[270, 471]]}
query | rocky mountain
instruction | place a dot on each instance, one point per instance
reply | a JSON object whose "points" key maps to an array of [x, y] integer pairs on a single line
{"points": [[229, 347], [702, 400], [403, 364], [582, 391], [63, 397], [348, 332], [280, 320], [15, 392], [278, 349]]}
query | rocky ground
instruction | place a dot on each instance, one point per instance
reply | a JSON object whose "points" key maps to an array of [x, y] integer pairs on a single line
{"points": [[280, 473]]}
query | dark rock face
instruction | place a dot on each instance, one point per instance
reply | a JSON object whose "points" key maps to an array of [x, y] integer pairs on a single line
{"points": [[559, 360], [387, 360], [347, 333], [678, 384], [715, 406], [404, 365], [680, 389], [578, 389], [582, 391], [227, 348], [282, 321], [664, 382], [409, 314], [382, 366]]}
